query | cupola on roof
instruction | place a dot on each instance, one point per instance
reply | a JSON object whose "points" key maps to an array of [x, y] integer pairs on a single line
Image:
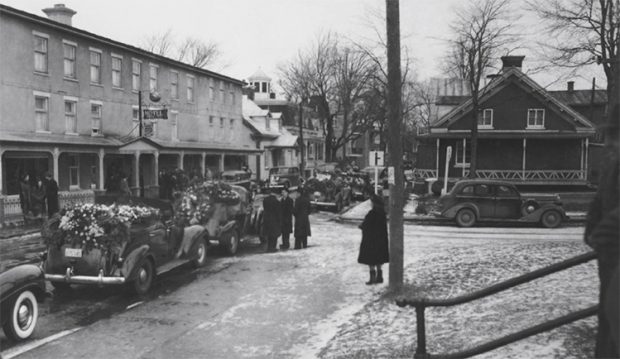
{"points": [[259, 75]]}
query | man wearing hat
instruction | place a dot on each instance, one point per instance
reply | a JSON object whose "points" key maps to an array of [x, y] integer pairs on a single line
{"points": [[51, 194]]}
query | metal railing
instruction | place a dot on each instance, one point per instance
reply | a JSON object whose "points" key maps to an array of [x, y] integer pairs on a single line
{"points": [[421, 304]]}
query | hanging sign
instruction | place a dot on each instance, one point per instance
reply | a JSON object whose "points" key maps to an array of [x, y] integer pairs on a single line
{"points": [[156, 114]]}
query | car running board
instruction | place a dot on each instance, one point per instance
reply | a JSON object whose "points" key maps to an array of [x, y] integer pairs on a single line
{"points": [[171, 265]]}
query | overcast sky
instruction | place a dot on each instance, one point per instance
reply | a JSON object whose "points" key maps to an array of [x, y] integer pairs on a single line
{"points": [[265, 33]]}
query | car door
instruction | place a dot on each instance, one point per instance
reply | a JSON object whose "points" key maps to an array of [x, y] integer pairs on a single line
{"points": [[507, 202], [158, 241], [485, 200]]}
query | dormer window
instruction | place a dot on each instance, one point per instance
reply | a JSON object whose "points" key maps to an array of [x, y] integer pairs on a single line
{"points": [[485, 119], [535, 119]]}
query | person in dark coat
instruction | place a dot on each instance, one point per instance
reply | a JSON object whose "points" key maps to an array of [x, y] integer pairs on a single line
{"points": [[374, 247], [37, 199], [51, 195], [286, 204], [272, 221], [24, 194], [301, 210], [602, 233]]}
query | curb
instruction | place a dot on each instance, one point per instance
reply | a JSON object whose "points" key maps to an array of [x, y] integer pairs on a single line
{"points": [[572, 221]]}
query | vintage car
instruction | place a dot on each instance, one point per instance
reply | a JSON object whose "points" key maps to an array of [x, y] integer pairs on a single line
{"points": [[123, 253], [328, 191], [21, 288], [472, 201], [239, 178], [283, 177]]}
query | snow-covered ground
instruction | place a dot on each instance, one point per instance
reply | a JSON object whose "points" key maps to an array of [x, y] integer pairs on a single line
{"points": [[442, 262]]}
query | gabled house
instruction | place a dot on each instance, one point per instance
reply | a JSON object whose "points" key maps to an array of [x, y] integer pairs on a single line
{"points": [[525, 135], [278, 146]]}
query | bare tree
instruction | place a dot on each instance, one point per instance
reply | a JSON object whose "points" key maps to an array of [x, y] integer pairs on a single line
{"points": [[481, 32], [582, 32], [192, 51]]}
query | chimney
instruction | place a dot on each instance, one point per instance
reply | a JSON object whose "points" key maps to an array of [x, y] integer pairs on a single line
{"points": [[512, 61], [570, 86], [60, 13]]}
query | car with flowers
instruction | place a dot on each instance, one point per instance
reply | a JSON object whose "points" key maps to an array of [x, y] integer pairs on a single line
{"points": [[21, 289], [479, 200], [283, 177], [118, 244]]}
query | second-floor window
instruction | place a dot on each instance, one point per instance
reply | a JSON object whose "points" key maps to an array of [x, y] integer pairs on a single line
{"points": [[96, 114], [174, 125], [232, 123], [190, 89], [41, 112], [95, 67], [536, 118], [211, 120], [485, 118], [117, 68], [70, 116], [174, 85], [153, 72], [136, 67], [40, 54], [69, 51]]}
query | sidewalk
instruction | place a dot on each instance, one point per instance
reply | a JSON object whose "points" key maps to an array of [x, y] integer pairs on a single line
{"points": [[357, 213]]}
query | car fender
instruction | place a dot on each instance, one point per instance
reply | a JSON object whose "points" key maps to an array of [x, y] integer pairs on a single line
{"points": [[536, 215], [130, 263], [452, 211], [16, 279]]}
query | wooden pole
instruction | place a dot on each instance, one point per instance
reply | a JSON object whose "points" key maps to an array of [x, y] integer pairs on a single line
{"points": [[394, 115]]}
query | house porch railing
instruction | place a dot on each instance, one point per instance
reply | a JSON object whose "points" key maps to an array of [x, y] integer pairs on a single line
{"points": [[11, 211], [516, 175]]}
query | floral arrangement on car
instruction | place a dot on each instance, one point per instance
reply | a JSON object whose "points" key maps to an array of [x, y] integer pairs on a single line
{"points": [[92, 226], [194, 205]]}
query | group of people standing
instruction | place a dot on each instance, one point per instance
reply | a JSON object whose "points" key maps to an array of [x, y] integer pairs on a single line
{"points": [[38, 196], [278, 219]]}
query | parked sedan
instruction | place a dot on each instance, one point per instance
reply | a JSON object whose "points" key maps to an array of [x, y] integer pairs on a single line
{"points": [[472, 201], [21, 288]]}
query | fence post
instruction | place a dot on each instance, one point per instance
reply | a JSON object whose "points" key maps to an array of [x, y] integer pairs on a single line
{"points": [[420, 352]]}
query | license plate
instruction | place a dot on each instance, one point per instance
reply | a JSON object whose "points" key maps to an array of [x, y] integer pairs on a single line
{"points": [[73, 252]]}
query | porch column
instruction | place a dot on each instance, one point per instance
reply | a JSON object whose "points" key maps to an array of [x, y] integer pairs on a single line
{"points": [[437, 158], [1, 176], [156, 167], [136, 169], [523, 159], [581, 152], [222, 163], [55, 155], [203, 170], [101, 179], [181, 160], [585, 160]]}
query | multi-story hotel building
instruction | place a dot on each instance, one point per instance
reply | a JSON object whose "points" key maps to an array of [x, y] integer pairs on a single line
{"points": [[69, 102]]}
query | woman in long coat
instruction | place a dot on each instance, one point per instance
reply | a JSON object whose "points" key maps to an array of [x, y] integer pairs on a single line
{"points": [[37, 198], [374, 247], [287, 219], [51, 195], [24, 194], [302, 222]]}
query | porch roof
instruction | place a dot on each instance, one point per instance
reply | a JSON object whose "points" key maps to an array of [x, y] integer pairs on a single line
{"points": [[219, 147], [59, 139], [548, 134]]}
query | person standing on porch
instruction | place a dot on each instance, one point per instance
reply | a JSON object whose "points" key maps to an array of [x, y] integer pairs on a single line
{"points": [[24, 194], [286, 203], [603, 235], [124, 187], [51, 195], [37, 199], [374, 250]]}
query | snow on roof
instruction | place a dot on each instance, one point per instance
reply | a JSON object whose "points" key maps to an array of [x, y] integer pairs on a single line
{"points": [[286, 139]]}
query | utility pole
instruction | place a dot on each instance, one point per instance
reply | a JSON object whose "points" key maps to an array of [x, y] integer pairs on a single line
{"points": [[395, 146], [302, 152]]}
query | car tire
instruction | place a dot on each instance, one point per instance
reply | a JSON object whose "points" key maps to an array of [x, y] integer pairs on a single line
{"points": [[466, 217], [24, 312], [529, 207], [200, 253], [232, 242], [144, 277], [551, 219]]}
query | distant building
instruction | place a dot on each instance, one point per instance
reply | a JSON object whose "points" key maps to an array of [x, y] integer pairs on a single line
{"points": [[526, 134], [288, 113], [69, 105]]}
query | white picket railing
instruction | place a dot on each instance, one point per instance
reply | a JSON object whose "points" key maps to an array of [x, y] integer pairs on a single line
{"points": [[515, 175], [11, 207]]}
